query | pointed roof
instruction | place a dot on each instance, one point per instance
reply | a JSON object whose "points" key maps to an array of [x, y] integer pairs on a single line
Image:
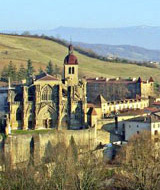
{"points": [[92, 111], [139, 80], [45, 77], [100, 99], [151, 79]]}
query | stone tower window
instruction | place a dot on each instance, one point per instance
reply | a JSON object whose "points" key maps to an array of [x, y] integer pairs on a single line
{"points": [[47, 93], [156, 132], [72, 70], [69, 70]]}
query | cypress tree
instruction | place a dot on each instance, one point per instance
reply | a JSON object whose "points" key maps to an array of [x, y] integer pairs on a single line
{"points": [[4, 73], [40, 71], [56, 70], [30, 70], [22, 72], [12, 71], [49, 68]]}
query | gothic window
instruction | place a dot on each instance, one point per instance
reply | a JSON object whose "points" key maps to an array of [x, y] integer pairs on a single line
{"points": [[18, 115], [69, 71], [72, 70], [47, 93]]}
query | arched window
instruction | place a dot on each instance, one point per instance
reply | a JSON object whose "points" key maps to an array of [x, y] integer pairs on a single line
{"points": [[18, 115], [69, 71], [72, 70], [47, 93], [156, 132]]}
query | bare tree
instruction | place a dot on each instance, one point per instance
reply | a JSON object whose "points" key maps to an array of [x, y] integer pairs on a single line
{"points": [[139, 164]]}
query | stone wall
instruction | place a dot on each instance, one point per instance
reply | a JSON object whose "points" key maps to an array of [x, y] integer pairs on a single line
{"points": [[22, 148]]}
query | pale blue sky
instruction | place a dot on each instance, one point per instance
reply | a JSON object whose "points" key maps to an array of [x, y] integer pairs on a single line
{"points": [[49, 14]]}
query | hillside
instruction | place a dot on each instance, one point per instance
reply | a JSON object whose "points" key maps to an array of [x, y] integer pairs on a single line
{"points": [[40, 51], [134, 53]]}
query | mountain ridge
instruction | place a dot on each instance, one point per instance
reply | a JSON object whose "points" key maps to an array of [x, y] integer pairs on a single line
{"points": [[147, 37]]}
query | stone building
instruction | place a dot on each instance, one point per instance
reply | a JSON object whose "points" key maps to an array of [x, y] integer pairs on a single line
{"points": [[104, 108], [118, 88], [49, 102], [72, 103], [137, 125]]}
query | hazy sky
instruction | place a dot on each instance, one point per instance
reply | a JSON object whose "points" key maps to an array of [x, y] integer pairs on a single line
{"points": [[49, 14]]}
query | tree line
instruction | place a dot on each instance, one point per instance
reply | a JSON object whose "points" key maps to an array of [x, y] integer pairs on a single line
{"points": [[11, 71]]}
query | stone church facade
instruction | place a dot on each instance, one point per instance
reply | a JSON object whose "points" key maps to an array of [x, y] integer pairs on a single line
{"points": [[49, 102]]}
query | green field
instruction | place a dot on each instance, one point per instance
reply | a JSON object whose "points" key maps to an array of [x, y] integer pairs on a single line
{"points": [[40, 51]]}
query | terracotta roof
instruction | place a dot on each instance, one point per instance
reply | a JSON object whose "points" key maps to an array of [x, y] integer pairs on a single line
{"points": [[89, 105], [111, 81], [92, 111], [71, 60], [157, 103], [151, 109], [45, 77]]}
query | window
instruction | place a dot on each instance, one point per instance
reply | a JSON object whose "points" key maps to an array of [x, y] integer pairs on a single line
{"points": [[47, 93], [156, 140], [69, 70], [18, 115], [137, 126], [155, 132], [72, 70], [45, 123]]}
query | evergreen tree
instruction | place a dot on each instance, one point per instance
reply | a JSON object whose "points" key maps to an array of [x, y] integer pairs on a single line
{"points": [[12, 71], [21, 73], [40, 71], [56, 70], [49, 68], [30, 70], [4, 73]]}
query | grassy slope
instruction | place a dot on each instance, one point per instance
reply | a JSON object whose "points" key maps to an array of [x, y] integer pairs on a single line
{"points": [[40, 51]]}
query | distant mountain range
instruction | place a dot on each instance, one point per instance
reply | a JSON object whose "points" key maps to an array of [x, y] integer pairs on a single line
{"points": [[134, 53], [125, 42]]}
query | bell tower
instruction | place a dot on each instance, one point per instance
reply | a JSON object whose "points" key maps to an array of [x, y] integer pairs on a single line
{"points": [[71, 67]]}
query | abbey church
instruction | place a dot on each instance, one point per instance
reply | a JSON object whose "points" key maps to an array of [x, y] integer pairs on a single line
{"points": [[70, 102]]}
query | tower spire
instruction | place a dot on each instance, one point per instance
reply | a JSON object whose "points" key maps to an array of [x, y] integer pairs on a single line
{"points": [[70, 40]]}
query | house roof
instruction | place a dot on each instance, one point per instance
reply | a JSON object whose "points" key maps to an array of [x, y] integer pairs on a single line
{"points": [[45, 77], [156, 103], [92, 111], [100, 99], [151, 109]]}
